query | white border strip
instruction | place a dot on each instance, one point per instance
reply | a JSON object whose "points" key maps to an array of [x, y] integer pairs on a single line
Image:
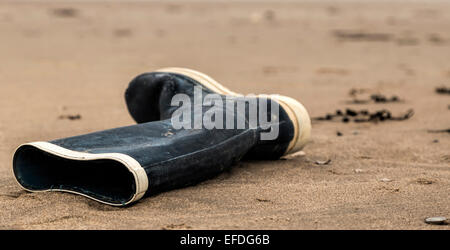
{"points": [[140, 176]]}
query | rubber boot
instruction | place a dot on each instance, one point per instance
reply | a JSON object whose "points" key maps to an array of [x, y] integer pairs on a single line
{"points": [[119, 166], [148, 98]]}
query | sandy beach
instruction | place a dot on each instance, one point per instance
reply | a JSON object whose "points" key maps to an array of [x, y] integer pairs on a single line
{"points": [[65, 67]]}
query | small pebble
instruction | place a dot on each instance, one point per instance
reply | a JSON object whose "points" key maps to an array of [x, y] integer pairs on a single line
{"points": [[436, 221], [358, 170], [385, 180], [323, 162]]}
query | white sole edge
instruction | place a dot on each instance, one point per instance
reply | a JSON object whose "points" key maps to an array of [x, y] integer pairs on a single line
{"points": [[140, 176], [295, 110]]}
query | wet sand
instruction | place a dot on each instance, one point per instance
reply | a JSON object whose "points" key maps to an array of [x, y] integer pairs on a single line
{"points": [[62, 60]]}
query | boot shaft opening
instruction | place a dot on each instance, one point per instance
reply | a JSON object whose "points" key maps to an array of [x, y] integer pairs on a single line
{"points": [[105, 180]]}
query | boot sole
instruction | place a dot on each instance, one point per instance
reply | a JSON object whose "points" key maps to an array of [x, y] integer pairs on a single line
{"points": [[295, 110]]}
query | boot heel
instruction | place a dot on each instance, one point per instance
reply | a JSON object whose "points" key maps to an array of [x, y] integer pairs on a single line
{"points": [[301, 120]]}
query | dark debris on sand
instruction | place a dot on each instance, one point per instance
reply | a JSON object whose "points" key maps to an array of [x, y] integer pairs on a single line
{"points": [[364, 116], [375, 98], [439, 130], [70, 117], [352, 35], [443, 90], [65, 12]]}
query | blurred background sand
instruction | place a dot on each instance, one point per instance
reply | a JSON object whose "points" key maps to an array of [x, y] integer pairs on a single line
{"points": [[61, 58]]}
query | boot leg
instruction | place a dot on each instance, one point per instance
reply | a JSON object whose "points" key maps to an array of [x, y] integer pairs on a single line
{"points": [[119, 166]]}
